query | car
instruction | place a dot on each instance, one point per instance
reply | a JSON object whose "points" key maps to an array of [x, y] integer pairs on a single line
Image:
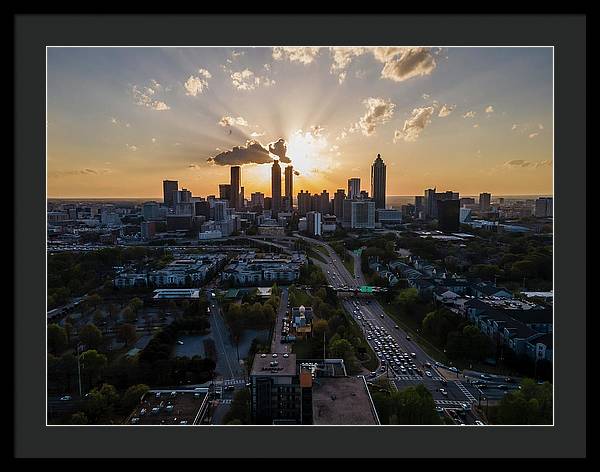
{"points": [[408, 338], [439, 409], [412, 354], [229, 388], [465, 407], [443, 392], [397, 327], [479, 423], [372, 374], [427, 373], [453, 369], [382, 316], [66, 398], [180, 343], [427, 364]]}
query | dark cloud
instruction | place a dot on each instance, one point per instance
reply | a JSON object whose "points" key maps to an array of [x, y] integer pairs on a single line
{"points": [[279, 148], [252, 153]]}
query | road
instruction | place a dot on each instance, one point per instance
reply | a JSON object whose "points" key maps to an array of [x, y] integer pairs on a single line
{"points": [[391, 342], [276, 344]]}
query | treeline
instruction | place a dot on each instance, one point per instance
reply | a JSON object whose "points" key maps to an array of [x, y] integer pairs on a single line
{"points": [[72, 274], [246, 315], [413, 405], [531, 404], [343, 338], [460, 339]]}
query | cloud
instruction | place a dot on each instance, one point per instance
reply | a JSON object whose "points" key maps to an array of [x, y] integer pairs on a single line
{"points": [[404, 63], [195, 85], [540, 126], [470, 114], [446, 110], [342, 57], [413, 127], [379, 111], [303, 55], [489, 109], [476, 125], [227, 121], [114, 121], [279, 148], [154, 140], [531, 164], [79, 172], [252, 153], [514, 126], [145, 96], [131, 147], [296, 172], [254, 134], [248, 80], [341, 77], [426, 96], [533, 135]]}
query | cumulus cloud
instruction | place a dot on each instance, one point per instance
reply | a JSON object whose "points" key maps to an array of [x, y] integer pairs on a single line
{"points": [[476, 125], [379, 111], [252, 153], [131, 147], [196, 84], [227, 121], [154, 140], [303, 55], [533, 135], [248, 80], [469, 114], [413, 127], [146, 96], [489, 109], [255, 134], [404, 63], [446, 110], [114, 121], [279, 148], [540, 126], [514, 126]]}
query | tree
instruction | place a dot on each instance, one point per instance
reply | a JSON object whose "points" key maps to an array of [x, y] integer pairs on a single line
{"points": [[133, 395], [92, 364], [57, 339], [112, 310], [413, 405], [91, 336], [136, 304], [93, 301], [99, 403], [98, 317], [79, 418], [240, 408], [532, 404], [407, 299], [129, 314], [126, 333]]}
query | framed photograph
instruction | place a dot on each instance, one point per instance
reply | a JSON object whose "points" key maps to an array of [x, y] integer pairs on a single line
{"points": [[325, 226]]}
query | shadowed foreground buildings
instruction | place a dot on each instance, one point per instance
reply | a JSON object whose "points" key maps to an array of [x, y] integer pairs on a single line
{"points": [[290, 391]]}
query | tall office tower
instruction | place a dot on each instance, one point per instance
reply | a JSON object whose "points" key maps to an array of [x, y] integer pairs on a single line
{"points": [[257, 199], [276, 188], [324, 202], [313, 223], [242, 198], [484, 201], [169, 189], [448, 215], [289, 182], [202, 208], [419, 206], [286, 203], [364, 194], [353, 188], [234, 192], [378, 182], [268, 203], [543, 207], [429, 204], [224, 191], [303, 203], [338, 203]]}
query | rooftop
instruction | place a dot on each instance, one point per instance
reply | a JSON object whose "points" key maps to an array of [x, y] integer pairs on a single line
{"points": [[342, 401], [274, 364]]}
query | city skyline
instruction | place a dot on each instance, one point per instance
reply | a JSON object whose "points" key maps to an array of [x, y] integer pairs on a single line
{"points": [[463, 119]]}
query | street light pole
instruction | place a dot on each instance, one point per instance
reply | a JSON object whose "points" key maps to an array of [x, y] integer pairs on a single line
{"points": [[79, 369]]}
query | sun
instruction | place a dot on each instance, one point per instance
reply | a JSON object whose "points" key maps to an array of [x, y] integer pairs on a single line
{"points": [[308, 152]]}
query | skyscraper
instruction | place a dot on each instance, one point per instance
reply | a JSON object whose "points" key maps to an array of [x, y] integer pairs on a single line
{"points": [[303, 203], [353, 188], [224, 191], [338, 203], [289, 182], [276, 187], [378, 182], [169, 188], [484, 201], [234, 192]]}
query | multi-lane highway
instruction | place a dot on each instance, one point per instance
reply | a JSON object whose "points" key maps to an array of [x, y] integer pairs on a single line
{"points": [[401, 358]]}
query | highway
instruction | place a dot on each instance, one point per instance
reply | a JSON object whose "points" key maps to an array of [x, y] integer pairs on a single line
{"points": [[392, 344]]}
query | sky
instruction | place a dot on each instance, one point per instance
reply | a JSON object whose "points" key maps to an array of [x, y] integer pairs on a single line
{"points": [[472, 120]]}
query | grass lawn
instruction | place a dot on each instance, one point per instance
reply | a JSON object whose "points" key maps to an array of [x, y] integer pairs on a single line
{"points": [[349, 264]]}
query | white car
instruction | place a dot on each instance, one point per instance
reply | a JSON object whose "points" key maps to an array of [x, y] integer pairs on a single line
{"points": [[427, 373]]}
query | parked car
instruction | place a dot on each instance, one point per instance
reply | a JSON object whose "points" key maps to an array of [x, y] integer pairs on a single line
{"points": [[66, 398]]}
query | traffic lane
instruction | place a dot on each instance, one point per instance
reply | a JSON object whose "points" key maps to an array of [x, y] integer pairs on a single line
{"points": [[226, 351], [277, 345]]}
